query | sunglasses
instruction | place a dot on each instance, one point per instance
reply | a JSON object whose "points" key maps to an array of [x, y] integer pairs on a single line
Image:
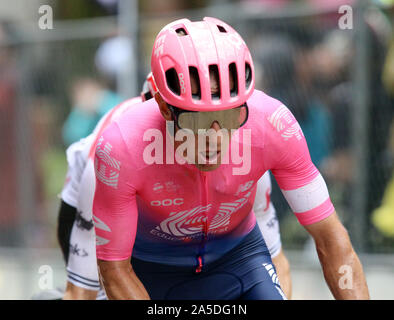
{"points": [[194, 120]]}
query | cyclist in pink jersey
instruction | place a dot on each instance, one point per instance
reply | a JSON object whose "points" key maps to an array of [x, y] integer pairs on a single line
{"points": [[177, 205], [77, 197]]}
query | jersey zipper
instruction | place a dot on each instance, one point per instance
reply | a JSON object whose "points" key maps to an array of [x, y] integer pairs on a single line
{"points": [[204, 193], [200, 264]]}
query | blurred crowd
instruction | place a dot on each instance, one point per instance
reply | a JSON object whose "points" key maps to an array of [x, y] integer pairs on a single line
{"points": [[8, 165], [309, 66], [306, 62]]}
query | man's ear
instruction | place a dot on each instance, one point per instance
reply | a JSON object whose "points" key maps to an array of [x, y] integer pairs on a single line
{"points": [[164, 110]]}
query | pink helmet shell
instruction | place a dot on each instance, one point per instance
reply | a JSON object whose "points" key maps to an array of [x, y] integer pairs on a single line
{"points": [[201, 48]]}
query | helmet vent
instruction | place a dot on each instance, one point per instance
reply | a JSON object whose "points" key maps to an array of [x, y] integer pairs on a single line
{"points": [[196, 92], [232, 70], [173, 81], [221, 29], [248, 75], [215, 81], [181, 32]]}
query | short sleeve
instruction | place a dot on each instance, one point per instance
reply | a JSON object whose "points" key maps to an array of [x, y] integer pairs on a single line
{"points": [[115, 212], [290, 163]]}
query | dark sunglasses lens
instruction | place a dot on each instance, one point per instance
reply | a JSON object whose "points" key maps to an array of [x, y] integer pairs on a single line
{"points": [[227, 119]]}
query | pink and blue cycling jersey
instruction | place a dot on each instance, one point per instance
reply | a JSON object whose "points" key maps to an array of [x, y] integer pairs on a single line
{"points": [[174, 213]]}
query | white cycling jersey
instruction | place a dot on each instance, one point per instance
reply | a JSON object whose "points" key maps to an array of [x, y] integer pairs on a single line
{"points": [[79, 190], [266, 215]]}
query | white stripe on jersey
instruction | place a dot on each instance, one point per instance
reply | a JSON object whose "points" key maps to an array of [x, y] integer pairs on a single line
{"points": [[307, 197]]}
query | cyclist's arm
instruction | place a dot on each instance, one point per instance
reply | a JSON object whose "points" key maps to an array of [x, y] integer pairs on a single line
{"points": [[120, 281], [115, 217], [341, 266], [66, 219], [306, 192], [69, 195], [74, 292], [83, 282]]}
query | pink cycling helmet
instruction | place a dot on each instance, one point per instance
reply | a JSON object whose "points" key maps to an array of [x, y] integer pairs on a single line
{"points": [[203, 49]]}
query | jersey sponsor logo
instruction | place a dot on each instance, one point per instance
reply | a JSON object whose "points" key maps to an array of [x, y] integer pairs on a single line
{"points": [[185, 222], [68, 179], [236, 40], [282, 118], [272, 222], [77, 251], [158, 187], [167, 202], [82, 223], [100, 241], [190, 222], [99, 224], [169, 186], [267, 199], [278, 117], [102, 160], [244, 187], [271, 271], [226, 210], [294, 130]]}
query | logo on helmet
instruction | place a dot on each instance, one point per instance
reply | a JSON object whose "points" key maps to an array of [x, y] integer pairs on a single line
{"points": [[159, 45], [182, 82], [236, 40]]}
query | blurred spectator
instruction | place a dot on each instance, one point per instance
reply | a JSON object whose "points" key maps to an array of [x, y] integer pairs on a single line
{"points": [[90, 102], [284, 69], [92, 98], [332, 64], [308, 63], [381, 108], [383, 216], [388, 70], [8, 141], [288, 74], [112, 58], [340, 93], [169, 6], [313, 113], [267, 3], [110, 5], [330, 5]]}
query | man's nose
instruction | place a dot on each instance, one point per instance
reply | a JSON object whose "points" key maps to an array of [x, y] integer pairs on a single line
{"points": [[215, 125]]}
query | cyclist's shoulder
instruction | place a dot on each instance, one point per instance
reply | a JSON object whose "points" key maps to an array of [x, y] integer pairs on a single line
{"points": [[126, 105], [116, 112], [128, 129], [260, 102], [140, 119], [273, 119], [138, 115], [262, 108]]}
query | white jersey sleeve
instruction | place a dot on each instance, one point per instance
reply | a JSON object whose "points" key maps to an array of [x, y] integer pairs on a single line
{"points": [[82, 265], [266, 215], [76, 161]]}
